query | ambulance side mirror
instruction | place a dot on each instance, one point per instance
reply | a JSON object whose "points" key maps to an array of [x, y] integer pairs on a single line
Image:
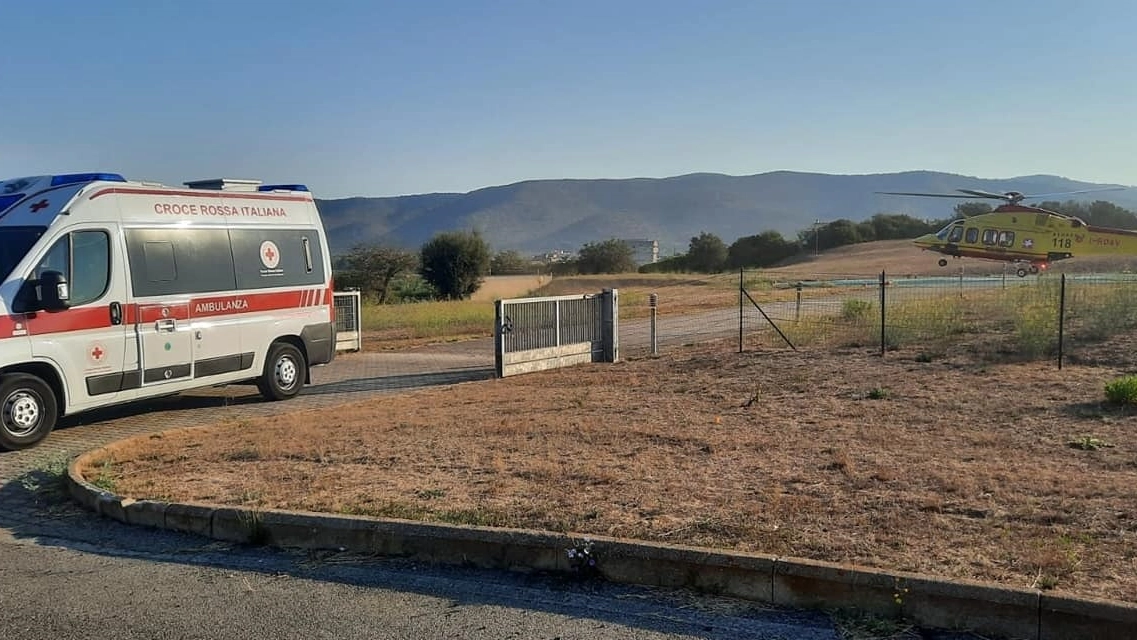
{"points": [[53, 293]]}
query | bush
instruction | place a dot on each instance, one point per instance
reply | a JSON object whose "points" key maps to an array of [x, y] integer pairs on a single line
{"points": [[854, 309], [1122, 390]]}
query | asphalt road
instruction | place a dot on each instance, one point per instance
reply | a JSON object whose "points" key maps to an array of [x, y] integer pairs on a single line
{"points": [[65, 573]]}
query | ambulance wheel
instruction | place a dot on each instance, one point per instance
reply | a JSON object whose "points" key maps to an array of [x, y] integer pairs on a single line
{"points": [[27, 411], [1021, 272], [943, 262], [284, 372]]}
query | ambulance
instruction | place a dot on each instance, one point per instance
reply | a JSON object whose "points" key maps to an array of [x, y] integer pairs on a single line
{"points": [[115, 291]]}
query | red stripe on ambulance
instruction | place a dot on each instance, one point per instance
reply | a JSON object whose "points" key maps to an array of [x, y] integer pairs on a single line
{"points": [[200, 307]]}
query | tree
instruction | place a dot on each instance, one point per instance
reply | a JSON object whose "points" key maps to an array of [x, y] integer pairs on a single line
{"points": [[371, 269], [706, 253], [831, 235], [968, 209], [763, 250], [899, 226], [455, 263], [508, 262], [610, 256]]}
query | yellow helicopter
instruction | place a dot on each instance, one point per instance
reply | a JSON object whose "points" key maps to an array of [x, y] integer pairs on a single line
{"points": [[1030, 237]]}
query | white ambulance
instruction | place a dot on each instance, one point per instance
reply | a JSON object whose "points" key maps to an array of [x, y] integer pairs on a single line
{"points": [[115, 291]]}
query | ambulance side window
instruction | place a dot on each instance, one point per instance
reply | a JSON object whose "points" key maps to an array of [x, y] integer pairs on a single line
{"points": [[83, 257]]}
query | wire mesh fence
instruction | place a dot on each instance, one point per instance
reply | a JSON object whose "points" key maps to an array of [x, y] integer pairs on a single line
{"points": [[1053, 316]]}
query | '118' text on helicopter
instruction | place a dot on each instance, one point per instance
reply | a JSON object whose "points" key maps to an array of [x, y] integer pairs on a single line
{"points": [[1030, 237]]}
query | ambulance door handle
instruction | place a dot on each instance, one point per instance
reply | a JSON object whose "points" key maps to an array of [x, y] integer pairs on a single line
{"points": [[170, 324], [116, 313]]}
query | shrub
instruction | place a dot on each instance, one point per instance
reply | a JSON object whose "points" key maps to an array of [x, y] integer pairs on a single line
{"points": [[1122, 390], [854, 309]]}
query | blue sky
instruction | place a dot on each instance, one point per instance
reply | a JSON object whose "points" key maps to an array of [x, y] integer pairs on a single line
{"points": [[387, 98]]}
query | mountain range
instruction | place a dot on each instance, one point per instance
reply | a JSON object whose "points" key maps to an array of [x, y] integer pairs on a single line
{"points": [[539, 216]]}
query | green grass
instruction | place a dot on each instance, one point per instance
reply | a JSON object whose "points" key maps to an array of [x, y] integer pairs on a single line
{"points": [[457, 318]]}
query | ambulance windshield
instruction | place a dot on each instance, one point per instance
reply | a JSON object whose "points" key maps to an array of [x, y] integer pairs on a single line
{"points": [[15, 242]]}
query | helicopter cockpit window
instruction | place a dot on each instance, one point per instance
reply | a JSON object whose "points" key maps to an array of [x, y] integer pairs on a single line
{"points": [[990, 236], [942, 234], [972, 235], [956, 234], [1006, 238]]}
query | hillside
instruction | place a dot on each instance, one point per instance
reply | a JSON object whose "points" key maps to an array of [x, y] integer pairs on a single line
{"points": [[543, 215]]}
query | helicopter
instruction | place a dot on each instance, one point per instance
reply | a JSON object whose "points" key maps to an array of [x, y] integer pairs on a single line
{"points": [[1029, 237]]}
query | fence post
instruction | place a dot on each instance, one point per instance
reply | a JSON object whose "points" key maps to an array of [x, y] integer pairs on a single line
{"points": [[557, 322], [741, 288], [610, 324], [498, 338], [882, 314], [652, 303], [1061, 319], [797, 307]]}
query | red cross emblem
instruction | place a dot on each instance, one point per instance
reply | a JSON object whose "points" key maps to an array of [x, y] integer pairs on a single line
{"points": [[42, 204], [97, 353], [270, 254]]}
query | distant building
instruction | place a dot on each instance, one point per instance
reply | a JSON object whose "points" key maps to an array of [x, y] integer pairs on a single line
{"points": [[644, 251]]}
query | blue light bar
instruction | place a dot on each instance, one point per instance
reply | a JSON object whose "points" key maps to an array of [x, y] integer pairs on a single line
{"points": [[282, 187], [72, 178], [7, 201]]}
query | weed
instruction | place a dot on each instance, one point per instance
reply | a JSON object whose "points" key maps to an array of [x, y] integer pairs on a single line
{"points": [[48, 478], [105, 479], [429, 494], [1122, 390], [1105, 312], [858, 625], [1036, 320], [877, 393], [1089, 443]]}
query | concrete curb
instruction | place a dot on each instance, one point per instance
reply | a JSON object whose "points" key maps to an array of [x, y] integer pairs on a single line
{"points": [[925, 600]]}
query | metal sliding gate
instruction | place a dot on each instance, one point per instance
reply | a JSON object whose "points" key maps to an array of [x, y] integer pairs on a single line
{"points": [[534, 334], [349, 332]]}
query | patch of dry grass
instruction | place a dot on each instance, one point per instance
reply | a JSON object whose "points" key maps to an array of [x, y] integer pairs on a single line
{"points": [[944, 467]]}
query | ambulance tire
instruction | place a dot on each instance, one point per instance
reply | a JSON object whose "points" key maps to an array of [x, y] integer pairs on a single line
{"points": [[28, 411], [284, 372]]}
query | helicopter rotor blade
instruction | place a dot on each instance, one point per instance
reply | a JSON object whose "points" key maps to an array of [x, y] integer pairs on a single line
{"points": [[1034, 196], [928, 195], [984, 194]]}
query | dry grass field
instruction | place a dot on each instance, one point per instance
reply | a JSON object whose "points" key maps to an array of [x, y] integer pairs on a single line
{"points": [[1018, 474], [496, 287], [395, 327]]}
